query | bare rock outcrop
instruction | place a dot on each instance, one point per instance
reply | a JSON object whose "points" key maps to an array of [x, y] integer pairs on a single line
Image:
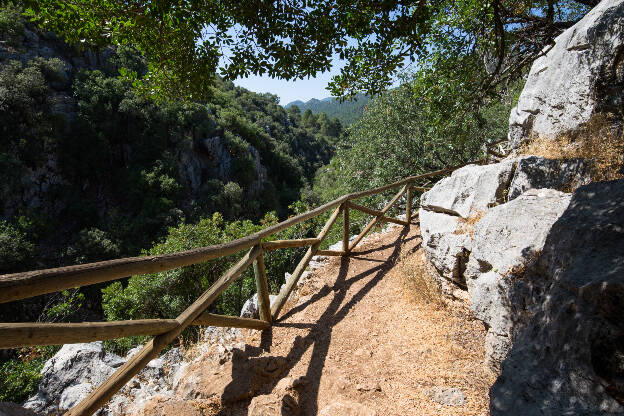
{"points": [[468, 192], [544, 270], [580, 76], [70, 376], [507, 239], [469, 189], [568, 348], [533, 172], [486, 222]]}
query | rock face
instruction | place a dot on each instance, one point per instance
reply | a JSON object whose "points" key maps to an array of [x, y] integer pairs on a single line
{"points": [[568, 350], [469, 189], [485, 222], [506, 239], [582, 75], [533, 172], [70, 375], [446, 248], [544, 270], [77, 369]]}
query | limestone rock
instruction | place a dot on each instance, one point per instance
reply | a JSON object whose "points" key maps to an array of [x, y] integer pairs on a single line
{"points": [[447, 396], [568, 348], [76, 369], [581, 75], [71, 374], [467, 193], [469, 189], [445, 247], [506, 240], [534, 172], [510, 234], [250, 307]]}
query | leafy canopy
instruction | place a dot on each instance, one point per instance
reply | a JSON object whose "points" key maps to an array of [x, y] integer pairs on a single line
{"points": [[187, 42]]}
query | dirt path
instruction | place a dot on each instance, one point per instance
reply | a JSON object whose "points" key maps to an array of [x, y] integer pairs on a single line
{"points": [[361, 337]]}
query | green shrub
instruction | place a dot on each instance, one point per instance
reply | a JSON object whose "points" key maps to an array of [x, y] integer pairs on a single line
{"points": [[19, 377], [167, 294], [11, 24], [16, 252], [92, 245]]}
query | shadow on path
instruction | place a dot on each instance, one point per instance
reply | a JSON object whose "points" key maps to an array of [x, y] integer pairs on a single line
{"points": [[320, 332]]}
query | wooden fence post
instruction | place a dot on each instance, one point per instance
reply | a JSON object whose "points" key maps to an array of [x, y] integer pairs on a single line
{"points": [[264, 303], [345, 228]]}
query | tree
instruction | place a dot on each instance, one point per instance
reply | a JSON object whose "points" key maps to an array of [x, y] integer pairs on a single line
{"points": [[187, 42]]}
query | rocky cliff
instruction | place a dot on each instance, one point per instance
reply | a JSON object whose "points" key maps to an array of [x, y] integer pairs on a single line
{"points": [[535, 247], [581, 75]]}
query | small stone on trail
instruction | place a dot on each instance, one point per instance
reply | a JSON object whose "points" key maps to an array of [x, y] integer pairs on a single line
{"points": [[447, 396], [373, 386]]}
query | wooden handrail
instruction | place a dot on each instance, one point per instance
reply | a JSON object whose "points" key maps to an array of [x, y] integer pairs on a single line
{"points": [[130, 368], [377, 213], [282, 297], [28, 284], [26, 334], [374, 222], [24, 285], [277, 244]]}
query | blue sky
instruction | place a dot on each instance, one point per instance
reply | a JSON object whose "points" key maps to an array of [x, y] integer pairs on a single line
{"points": [[300, 89], [288, 91]]}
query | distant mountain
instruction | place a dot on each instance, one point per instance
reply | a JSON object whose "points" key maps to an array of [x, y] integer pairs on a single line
{"points": [[347, 112]]}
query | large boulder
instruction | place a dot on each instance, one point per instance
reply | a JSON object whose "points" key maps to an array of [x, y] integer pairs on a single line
{"points": [[445, 246], [469, 189], [445, 209], [534, 172], [71, 375], [568, 337], [507, 239], [76, 369], [580, 76]]}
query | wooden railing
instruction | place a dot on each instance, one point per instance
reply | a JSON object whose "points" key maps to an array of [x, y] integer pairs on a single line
{"points": [[25, 285]]}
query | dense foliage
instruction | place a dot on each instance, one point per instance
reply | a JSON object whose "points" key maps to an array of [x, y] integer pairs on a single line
{"points": [[346, 111], [20, 377], [90, 165], [91, 171], [167, 294], [299, 38], [428, 123]]}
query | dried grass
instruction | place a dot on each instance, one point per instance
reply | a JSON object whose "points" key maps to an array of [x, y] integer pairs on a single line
{"points": [[598, 141], [418, 282]]}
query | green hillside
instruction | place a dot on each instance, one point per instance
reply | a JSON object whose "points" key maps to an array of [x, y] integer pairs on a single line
{"points": [[347, 112], [91, 170]]}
